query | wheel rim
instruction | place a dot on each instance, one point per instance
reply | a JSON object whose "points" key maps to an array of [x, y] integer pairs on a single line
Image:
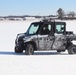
{"points": [[16, 49], [74, 51], [31, 50]]}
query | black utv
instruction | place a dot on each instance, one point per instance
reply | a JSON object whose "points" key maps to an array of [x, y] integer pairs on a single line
{"points": [[46, 35]]}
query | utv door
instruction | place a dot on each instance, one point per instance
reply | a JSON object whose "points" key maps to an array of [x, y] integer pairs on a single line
{"points": [[45, 41], [60, 39]]}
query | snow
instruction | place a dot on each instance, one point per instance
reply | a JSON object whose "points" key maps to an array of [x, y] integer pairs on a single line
{"points": [[41, 63]]}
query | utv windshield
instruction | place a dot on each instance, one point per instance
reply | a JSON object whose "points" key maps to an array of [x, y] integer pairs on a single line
{"points": [[34, 28]]}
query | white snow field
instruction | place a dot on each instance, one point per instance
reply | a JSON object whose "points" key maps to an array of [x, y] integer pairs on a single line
{"points": [[41, 63]]}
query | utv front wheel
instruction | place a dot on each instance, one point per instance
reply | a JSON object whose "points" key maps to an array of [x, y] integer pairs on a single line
{"points": [[29, 49], [72, 49], [17, 50], [58, 51]]}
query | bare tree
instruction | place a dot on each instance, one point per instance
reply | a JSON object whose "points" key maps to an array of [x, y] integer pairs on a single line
{"points": [[61, 13], [71, 14]]}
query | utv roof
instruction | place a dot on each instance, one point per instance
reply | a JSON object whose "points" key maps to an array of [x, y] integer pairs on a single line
{"points": [[42, 22]]}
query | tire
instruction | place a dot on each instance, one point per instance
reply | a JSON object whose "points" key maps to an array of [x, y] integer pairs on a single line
{"points": [[17, 50], [72, 49], [58, 51], [29, 49]]}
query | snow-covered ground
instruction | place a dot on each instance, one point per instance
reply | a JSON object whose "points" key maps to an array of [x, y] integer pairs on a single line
{"points": [[41, 63]]}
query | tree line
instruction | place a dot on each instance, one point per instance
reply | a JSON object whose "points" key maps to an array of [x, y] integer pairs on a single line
{"points": [[62, 15]]}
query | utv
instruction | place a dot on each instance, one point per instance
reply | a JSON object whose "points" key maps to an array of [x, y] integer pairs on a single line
{"points": [[46, 35]]}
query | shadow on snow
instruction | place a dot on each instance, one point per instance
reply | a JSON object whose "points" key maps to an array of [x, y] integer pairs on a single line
{"points": [[35, 53], [9, 53]]}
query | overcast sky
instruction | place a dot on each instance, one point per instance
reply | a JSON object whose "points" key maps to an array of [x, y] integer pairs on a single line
{"points": [[35, 7]]}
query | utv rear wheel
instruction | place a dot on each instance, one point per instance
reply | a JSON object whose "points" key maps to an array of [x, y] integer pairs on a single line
{"points": [[17, 50], [72, 49], [29, 49], [60, 51]]}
